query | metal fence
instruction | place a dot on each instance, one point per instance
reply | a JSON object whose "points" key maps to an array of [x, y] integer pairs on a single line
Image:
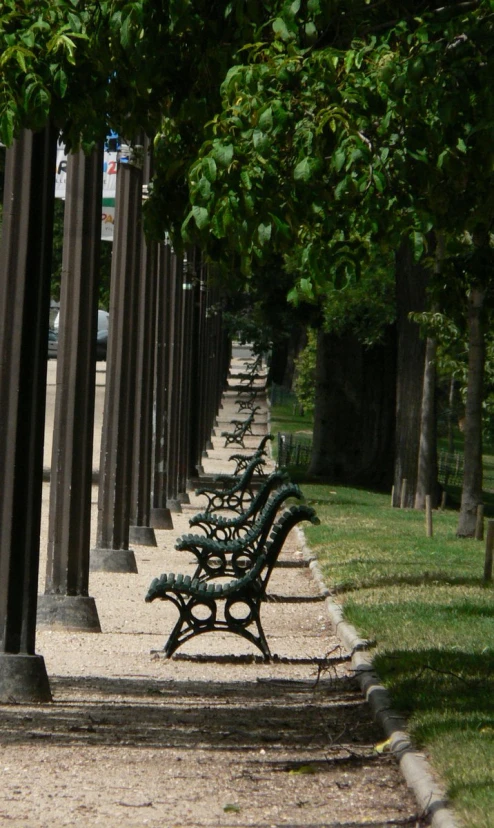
{"points": [[293, 450], [450, 468], [296, 450], [279, 395]]}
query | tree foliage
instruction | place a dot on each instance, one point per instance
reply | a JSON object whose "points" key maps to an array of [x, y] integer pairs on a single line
{"points": [[298, 142], [305, 373], [312, 130], [53, 65], [324, 153]]}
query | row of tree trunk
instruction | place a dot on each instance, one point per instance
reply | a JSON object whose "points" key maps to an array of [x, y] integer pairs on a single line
{"points": [[375, 407]]}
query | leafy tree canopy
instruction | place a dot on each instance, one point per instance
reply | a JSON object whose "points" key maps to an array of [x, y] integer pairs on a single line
{"points": [[323, 152], [318, 132]]}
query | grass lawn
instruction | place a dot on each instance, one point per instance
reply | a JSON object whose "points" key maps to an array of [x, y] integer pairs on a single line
{"points": [[422, 603], [287, 419]]}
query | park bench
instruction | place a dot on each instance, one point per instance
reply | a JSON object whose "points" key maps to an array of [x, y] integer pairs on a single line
{"points": [[253, 365], [251, 368], [243, 460], [241, 428], [249, 376], [240, 492], [237, 552], [233, 606], [248, 404], [220, 527], [252, 394], [249, 383]]}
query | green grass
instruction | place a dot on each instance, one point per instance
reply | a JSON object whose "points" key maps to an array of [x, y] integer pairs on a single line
{"points": [[423, 603], [488, 470], [287, 418]]}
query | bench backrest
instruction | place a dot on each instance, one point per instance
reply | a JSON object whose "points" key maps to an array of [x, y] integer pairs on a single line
{"points": [[250, 419], [240, 484], [279, 533], [266, 560], [242, 460], [257, 535], [207, 520]]}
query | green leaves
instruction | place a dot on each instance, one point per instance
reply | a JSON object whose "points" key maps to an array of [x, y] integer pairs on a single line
{"points": [[222, 153], [7, 126], [61, 82], [266, 120], [204, 188], [245, 179], [62, 42], [303, 170], [281, 30], [209, 168], [260, 140], [18, 54], [36, 99], [43, 55], [339, 159], [200, 215], [418, 244], [264, 233]]}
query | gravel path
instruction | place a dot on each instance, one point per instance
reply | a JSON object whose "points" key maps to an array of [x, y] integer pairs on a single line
{"points": [[212, 737]]}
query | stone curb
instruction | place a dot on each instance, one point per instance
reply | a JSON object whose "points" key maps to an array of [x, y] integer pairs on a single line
{"points": [[414, 766]]}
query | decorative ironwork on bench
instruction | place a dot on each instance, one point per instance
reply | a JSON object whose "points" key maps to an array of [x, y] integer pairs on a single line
{"points": [[224, 528], [233, 607], [231, 547], [238, 495], [241, 428], [243, 460]]}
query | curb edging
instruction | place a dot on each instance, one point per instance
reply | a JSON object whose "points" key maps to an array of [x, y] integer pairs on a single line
{"points": [[414, 766]]}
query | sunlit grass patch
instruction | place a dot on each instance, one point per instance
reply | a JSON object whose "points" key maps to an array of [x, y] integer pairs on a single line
{"points": [[467, 624], [423, 604]]}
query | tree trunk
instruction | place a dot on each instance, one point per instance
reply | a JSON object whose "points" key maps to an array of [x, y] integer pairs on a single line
{"points": [[427, 471], [323, 441], [296, 341], [278, 363], [354, 411], [427, 463], [411, 283], [471, 496], [451, 400]]}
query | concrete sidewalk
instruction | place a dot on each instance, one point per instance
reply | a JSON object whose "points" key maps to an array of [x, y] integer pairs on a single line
{"points": [[211, 737]]}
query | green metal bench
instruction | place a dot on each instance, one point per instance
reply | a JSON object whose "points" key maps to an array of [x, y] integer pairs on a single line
{"points": [[242, 460], [233, 607], [241, 428], [238, 495], [219, 527], [253, 366], [248, 404], [236, 553]]}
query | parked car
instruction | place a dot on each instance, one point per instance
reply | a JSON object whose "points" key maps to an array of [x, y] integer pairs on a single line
{"points": [[101, 343], [101, 337], [52, 343]]}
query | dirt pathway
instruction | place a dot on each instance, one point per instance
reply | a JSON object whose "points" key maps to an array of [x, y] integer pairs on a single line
{"points": [[212, 737]]}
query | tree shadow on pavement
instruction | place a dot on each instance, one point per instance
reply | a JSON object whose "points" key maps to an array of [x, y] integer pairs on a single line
{"points": [[305, 715]]}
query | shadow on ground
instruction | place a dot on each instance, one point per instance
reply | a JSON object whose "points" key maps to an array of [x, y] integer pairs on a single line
{"points": [[313, 715]]}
